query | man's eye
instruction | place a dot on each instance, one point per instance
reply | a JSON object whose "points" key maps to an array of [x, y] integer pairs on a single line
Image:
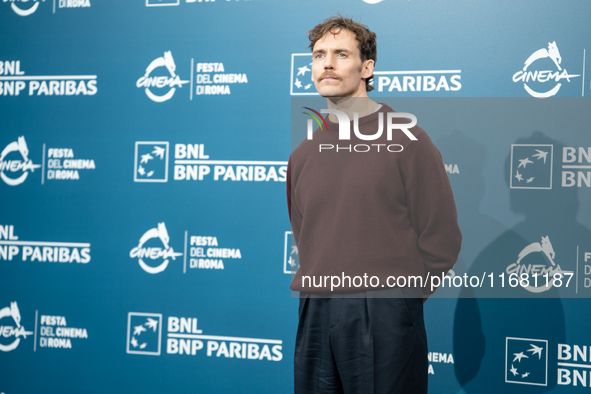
{"points": [[319, 56], [342, 54]]}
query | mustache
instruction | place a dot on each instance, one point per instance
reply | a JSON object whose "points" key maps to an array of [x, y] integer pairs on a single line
{"points": [[327, 74]]}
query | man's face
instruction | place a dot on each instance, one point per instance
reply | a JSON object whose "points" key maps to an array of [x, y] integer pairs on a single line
{"points": [[337, 69]]}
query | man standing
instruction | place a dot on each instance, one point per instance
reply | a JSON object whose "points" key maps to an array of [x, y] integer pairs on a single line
{"points": [[367, 212]]}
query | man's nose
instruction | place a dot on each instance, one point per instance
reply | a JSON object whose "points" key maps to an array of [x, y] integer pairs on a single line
{"points": [[329, 62]]}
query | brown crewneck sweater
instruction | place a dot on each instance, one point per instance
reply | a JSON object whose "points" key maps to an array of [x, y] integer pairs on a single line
{"points": [[374, 213]]}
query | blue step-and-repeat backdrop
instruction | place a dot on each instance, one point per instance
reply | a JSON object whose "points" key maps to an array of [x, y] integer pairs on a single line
{"points": [[144, 236]]}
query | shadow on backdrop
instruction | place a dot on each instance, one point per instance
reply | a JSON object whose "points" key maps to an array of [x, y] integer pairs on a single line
{"points": [[484, 358], [465, 160]]}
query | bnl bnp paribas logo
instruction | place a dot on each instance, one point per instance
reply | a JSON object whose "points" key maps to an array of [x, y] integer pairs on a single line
{"points": [[14, 81], [394, 82], [192, 163], [542, 74], [144, 331], [151, 161], [526, 361], [183, 337], [532, 166], [291, 258]]}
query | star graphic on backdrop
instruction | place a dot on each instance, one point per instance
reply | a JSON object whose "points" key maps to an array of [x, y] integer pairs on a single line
{"points": [[145, 158], [292, 262], [519, 356], [141, 170], [525, 375], [308, 86], [150, 173], [134, 341], [541, 155], [143, 345], [536, 349], [524, 162], [294, 249], [158, 151], [152, 324], [138, 330], [518, 176], [298, 84], [303, 70], [513, 370], [529, 180]]}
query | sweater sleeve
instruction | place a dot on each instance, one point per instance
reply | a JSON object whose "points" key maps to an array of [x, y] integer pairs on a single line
{"points": [[431, 206]]}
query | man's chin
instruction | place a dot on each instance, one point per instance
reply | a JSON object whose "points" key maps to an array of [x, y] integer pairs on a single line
{"points": [[328, 92]]}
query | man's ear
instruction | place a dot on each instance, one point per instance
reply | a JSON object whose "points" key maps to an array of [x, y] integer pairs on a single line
{"points": [[367, 68]]}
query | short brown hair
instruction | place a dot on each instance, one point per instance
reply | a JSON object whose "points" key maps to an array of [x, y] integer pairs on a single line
{"points": [[365, 38]]}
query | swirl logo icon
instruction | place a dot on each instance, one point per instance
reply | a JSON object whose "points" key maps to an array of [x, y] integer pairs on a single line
{"points": [[157, 254], [540, 263], [527, 75], [23, 11], [19, 168], [11, 332], [161, 82]]}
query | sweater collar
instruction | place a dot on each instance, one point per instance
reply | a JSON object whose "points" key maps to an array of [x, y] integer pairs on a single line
{"points": [[367, 119]]}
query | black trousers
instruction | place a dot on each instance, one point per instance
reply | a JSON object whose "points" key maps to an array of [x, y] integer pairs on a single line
{"points": [[361, 344]]}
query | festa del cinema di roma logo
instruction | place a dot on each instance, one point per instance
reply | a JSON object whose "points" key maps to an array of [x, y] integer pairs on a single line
{"points": [[26, 10], [18, 169], [161, 82], [11, 331], [15, 164], [154, 253], [543, 76]]}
